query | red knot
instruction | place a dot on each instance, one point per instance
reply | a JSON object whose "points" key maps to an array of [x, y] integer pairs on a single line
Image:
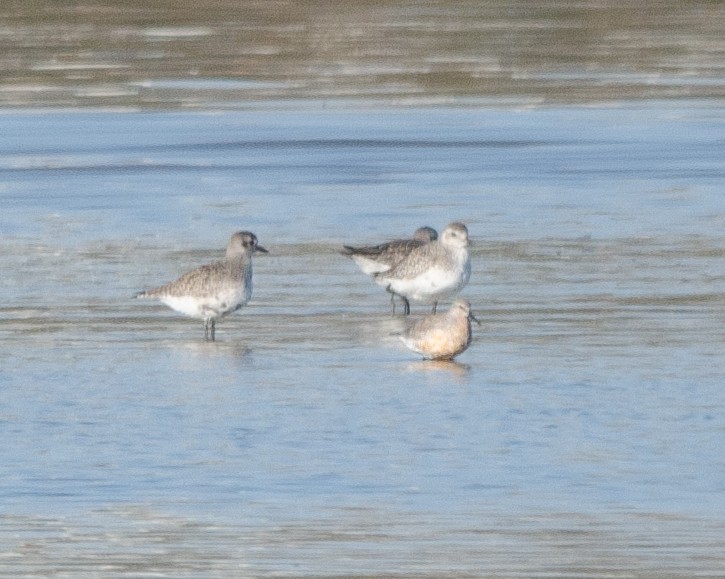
{"points": [[442, 336]]}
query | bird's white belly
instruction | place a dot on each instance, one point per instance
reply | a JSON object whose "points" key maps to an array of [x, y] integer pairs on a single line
{"points": [[432, 285], [210, 306], [370, 266]]}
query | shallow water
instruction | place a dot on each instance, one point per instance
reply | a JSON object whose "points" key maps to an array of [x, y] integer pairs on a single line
{"points": [[581, 435]]}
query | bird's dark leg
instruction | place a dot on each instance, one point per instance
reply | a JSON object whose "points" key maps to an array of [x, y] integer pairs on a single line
{"points": [[435, 307], [392, 298], [213, 330], [209, 327], [406, 303]]}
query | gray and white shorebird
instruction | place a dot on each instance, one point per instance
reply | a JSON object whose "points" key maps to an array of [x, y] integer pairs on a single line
{"points": [[432, 271], [442, 336], [374, 259], [212, 291]]}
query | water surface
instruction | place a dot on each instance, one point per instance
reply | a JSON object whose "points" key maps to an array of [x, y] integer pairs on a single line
{"points": [[581, 435]]}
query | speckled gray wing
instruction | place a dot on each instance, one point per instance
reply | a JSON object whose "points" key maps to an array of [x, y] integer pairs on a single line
{"points": [[415, 263], [202, 281], [389, 251]]}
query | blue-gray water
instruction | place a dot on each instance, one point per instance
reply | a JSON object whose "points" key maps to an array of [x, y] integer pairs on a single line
{"points": [[581, 435]]}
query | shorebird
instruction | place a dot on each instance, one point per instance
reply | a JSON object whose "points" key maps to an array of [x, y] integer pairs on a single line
{"points": [[442, 336], [432, 271], [374, 259], [212, 291]]}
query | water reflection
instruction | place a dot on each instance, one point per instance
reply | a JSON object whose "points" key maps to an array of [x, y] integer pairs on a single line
{"points": [[452, 368], [231, 348]]}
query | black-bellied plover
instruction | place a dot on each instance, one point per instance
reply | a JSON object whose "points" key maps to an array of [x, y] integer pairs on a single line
{"points": [[442, 336], [212, 291], [432, 271], [374, 259]]}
